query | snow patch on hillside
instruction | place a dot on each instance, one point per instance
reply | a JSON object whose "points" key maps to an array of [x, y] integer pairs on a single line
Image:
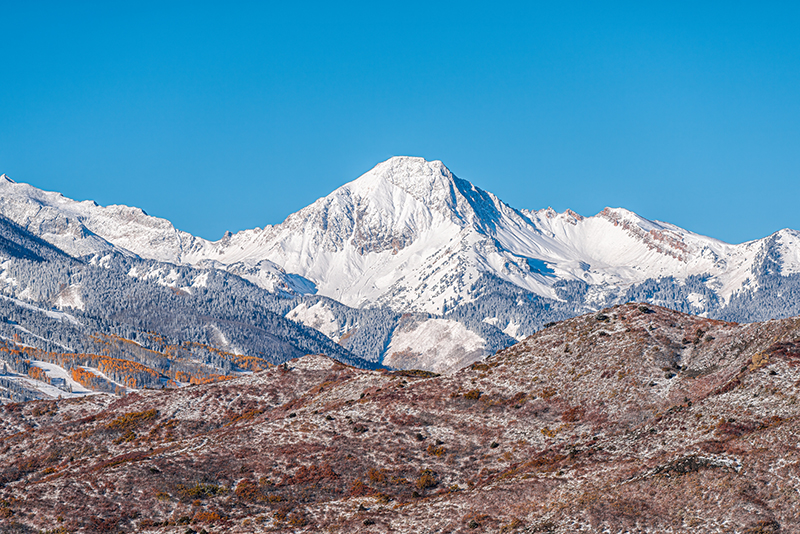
{"points": [[438, 345], [7, 282], [201, 280], [58, 315], [696, 300], [318, 317], [512, 329], [55, 371], [70, 297]]}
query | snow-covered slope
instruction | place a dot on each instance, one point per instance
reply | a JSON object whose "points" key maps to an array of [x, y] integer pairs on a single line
{"points": [[410, 235], [85, 228], [438, 345]]}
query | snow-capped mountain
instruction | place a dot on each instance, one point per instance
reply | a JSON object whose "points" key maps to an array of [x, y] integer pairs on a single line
{"points": [[85, 228], [411, 236]]}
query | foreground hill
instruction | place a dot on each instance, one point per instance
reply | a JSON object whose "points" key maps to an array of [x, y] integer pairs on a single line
{"points": [[636, 418]]}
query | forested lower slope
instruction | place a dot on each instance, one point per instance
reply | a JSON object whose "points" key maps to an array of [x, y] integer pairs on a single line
{"points": [[116, 322]]}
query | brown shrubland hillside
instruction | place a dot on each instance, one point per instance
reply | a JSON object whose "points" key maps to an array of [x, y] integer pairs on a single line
{"points": [[633, 419]]}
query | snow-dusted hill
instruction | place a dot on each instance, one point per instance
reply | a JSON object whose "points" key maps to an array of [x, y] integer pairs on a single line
{"points": [[411, 236], [639, 419]]}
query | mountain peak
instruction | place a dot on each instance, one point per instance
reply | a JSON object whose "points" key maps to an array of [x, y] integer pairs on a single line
{"points": [[415, 175], [409, 165], [5, 178], [432, 185]]}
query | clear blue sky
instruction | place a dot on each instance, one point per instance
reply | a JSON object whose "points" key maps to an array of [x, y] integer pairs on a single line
{"points": [[228, 115]]}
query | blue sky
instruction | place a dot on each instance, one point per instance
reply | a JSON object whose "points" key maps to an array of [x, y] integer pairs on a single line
{"points": [[226, 116]]}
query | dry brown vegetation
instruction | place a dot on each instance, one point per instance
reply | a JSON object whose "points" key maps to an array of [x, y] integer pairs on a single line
{"points": [[667, 423]]}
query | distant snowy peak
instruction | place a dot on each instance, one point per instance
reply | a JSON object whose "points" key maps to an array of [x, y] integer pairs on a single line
{"points": [[432, 185], [427, 181], [781, 251], [388, 207], [411, 235], [81, 228], [407, 234]]}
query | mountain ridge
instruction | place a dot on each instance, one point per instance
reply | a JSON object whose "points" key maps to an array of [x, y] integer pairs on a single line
{"points": [[410, 236], [345, 215]]}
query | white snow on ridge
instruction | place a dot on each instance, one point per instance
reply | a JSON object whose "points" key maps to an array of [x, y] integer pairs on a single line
{"points": [[410, 235], [789, 249]]}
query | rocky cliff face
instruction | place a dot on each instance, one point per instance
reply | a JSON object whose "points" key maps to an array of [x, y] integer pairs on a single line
{"points": [[633, 418]]}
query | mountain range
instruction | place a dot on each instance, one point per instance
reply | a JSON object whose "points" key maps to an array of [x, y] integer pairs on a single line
{"points": [[408, 266], [410, 235]]}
